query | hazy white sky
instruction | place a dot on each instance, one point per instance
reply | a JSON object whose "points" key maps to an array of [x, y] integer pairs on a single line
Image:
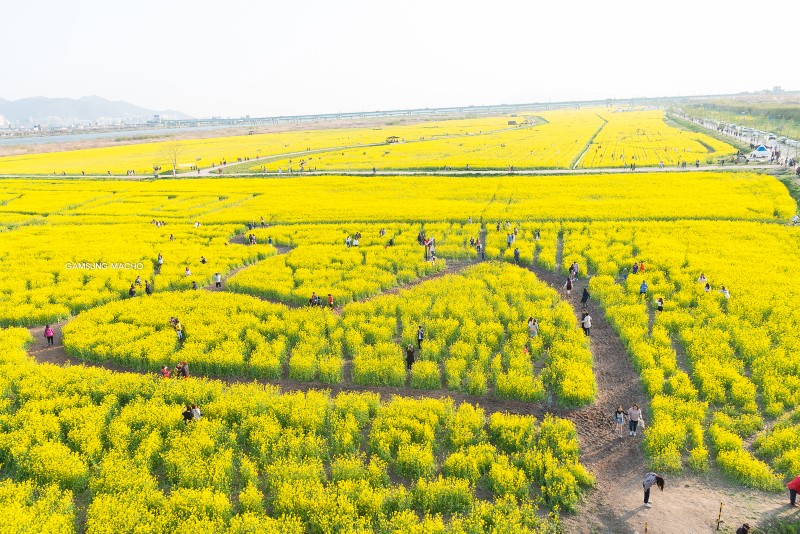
{"points": [[236, 57]]}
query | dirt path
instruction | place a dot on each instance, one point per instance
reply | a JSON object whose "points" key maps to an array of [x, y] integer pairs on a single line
{"points": [[609, 456], [690, 502], [490, 172]]}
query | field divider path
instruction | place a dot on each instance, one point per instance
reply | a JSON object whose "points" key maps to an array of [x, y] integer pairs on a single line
{"points": [[589, 143], [613, 459], [421, 172]]}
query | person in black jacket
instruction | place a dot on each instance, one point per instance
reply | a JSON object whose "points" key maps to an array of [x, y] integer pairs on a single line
{"points": [[409, 356]]}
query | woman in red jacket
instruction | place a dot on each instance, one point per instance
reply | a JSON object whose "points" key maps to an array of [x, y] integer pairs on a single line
{"points": [[794, 487]]}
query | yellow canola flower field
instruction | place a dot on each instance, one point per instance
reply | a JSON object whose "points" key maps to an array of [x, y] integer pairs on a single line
{"points": [[644, 138], [741, 349], [262, 461], [549, 139], [110, 222], [53, 272], [142, 157], [555, 142], [716, 195], [482, 344]]}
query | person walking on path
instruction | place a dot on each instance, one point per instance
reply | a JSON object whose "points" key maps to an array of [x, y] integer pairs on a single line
{"points": [[619, 420], [49, 334], [568, 286], [585, 297], [132, 291], [643, 289], [794, 487], [217, 280], [647, 483], [330, 301], [660, 304], [148, 289], [516, 255], [634, 416], [409, 356], [420, 337], [586, 323], [178, 329]]}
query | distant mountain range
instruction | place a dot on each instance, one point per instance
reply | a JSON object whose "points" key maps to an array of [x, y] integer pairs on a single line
{"points": [[40, 110]]}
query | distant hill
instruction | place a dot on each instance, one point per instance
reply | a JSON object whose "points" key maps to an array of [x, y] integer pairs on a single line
{"points": [[87, 109]]}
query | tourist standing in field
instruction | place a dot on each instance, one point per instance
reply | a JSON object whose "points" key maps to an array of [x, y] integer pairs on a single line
{"points": [[196, 412], [643, 289], [794, 487], [182, 369], [619, 420], [409, 356], [647, 483], [330, 301], [132, 291], [178, 329], [516, 255], [585, 297], [217, 280], [49, 334], [420, 337], [187, 414], [634, 416], [660, 304], [533, 327], [148, 289], [165, 372]]}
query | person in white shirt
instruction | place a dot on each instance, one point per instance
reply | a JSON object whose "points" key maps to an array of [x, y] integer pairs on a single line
{"points": [[634, 416], [586, 323]]}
